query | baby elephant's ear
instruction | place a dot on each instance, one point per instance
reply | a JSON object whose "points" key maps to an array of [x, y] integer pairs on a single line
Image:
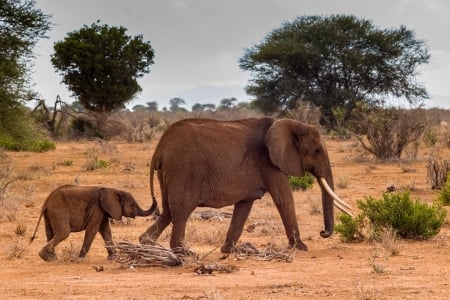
{"points": [[110, 202]]}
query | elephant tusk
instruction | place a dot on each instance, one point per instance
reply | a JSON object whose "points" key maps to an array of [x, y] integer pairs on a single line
{"points": [[340, 204]]}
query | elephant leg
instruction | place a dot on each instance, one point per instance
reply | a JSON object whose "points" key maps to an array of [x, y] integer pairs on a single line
{"points": [[240, 215], [284, 201], [89, 235], [153, 232], [178, 233], [105, 232], [48, 251]]}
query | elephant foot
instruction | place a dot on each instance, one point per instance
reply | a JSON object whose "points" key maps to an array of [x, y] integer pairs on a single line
{"points": [[301, 246], [227, 248], [47, 255], [185, 252]]}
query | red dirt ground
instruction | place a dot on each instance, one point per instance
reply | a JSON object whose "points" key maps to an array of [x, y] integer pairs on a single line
{"points": [[330, 269]]}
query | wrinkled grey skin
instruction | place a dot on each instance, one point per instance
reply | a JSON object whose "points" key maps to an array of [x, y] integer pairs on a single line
{"points": [[76, 208], [201, 162]]}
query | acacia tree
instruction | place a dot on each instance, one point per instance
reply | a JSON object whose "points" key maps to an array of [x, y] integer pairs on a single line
{"points": [[175, 104], [101, 64], [334, 61], [21, 26]]}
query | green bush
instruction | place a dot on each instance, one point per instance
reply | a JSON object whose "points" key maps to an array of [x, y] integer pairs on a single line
{"points": [[19, 132], [411, 219], [301, 183], [444, 195], [35, 144], [349, 228]]}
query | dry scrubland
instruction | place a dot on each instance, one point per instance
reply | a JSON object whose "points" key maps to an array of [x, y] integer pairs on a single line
{"points": [[331, 269]]}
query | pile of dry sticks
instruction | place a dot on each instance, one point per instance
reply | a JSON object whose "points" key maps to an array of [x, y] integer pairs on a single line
{"points": [[137, 255]]}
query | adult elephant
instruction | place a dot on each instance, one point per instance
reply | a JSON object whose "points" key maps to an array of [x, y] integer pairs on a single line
{"points": [[202, 162], [72, 208]]}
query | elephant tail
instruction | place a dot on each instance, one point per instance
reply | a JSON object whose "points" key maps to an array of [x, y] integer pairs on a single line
{"points": [[152, 189], [37, 226]]}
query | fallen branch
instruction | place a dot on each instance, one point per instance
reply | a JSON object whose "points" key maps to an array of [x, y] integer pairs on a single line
{"points": [[249, 251], [208, 269]]}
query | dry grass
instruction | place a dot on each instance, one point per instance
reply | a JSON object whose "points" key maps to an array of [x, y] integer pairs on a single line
{"points": [[70, 253], [389, 241]]}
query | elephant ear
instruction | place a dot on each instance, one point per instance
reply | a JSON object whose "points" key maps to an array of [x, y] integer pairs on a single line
{"points": [[282, 141], [110, 202]]}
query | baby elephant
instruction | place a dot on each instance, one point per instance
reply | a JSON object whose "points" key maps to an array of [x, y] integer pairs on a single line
{"points": [[75, 208]]}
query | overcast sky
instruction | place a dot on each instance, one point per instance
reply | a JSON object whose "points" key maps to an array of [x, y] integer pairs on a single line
{"points": [[198, 43]]}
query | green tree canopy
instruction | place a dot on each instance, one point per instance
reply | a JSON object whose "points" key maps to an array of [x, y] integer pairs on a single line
{"points": [[152, 106], [21, 26], [175, 104], [334, 61], [101, 64], [227, 103]]}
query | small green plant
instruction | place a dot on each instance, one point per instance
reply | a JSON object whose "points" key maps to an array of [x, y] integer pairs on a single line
{"points": [[349, 228], [102, 164], [95, 163], [67, 162], [411, 219], [301, 183], [444, 194]]}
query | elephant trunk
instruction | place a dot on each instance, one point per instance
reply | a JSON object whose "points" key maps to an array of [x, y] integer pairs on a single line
{"points": [[327, 206], [329, 200], [145, 213]]}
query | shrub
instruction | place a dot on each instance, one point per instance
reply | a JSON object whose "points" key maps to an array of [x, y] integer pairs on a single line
{"points": [[84, 127], [35, 143], [301, 183], [411, 219], [349, 228], [396, 211], [444, 194], [387, 131], [19, 131], [42, 146]]}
